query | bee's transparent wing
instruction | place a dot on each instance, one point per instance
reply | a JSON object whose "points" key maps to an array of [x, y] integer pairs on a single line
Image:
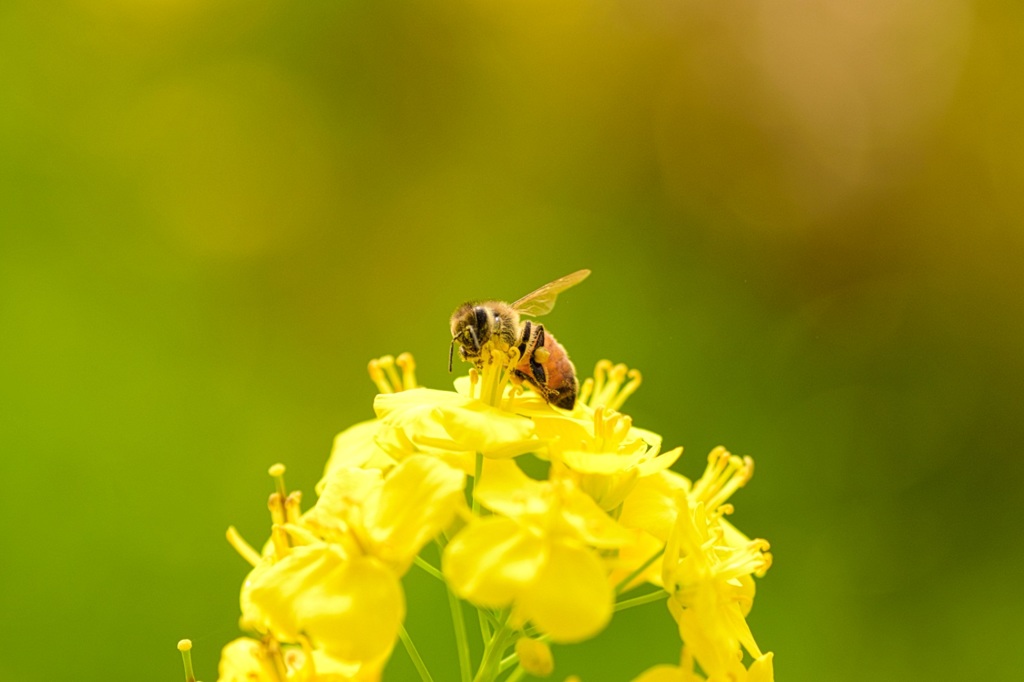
{"points": [[541, 301]]}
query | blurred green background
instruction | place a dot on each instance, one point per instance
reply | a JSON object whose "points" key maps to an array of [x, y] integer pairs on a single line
{"points": [[804, 221]]}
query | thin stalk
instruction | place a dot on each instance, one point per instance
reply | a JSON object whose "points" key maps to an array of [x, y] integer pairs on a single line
{"points": [[643, 567], [493, 653], [417, 660], [461, 639], [478, 470], [429, 568], [516, 675], [640, 601]]}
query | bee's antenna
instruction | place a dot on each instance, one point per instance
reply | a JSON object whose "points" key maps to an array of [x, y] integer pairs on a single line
{"points": [[451, 353]]}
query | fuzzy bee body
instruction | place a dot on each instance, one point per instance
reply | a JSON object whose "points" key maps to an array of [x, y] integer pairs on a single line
{"points": [[543, 362]]}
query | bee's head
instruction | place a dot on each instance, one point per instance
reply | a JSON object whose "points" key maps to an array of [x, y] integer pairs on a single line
{"points": [[470, 329]]}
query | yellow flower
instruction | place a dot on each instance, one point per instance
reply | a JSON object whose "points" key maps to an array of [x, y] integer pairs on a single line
{"points": [[598, 447], [390, 517], [707, 570], [251, 660], [430, 421], [357, 445], [535, 656], [350, 606], [536, 554], [759, 671], [334, 578], [604, 453]]}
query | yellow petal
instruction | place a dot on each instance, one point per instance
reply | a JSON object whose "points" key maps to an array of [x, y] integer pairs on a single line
{"points": [[652, 506], [762, 670], [590, 523], [535, 656], [448, 421], [633, 555], [569, 599], [505, 489], [660, 463], [488, 430], [418, 500], [356, 447], [243, 660], [491, 560], [599, 462], [351, 608]]}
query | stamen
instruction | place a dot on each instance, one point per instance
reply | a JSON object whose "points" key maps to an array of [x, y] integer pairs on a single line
{"points": [[609, 386], [585, 390], [277, 532], [277, 472], [408, 365], [272, 648], [378, 376], [236, 540], [293, 506], [388, 363], [496, 372], [514, 392], [635, 379], [600, 374], [309, 663], [185, 647]]}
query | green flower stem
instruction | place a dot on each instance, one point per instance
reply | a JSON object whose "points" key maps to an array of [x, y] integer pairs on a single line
{"points": [[461, 639], [640, 601], [494, 652], [417, 661], [429, 568], [485, 625], [643, 567], [477, 472], [516, 675], [458, 619]]}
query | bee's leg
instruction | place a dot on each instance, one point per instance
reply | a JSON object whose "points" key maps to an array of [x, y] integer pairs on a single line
{"points": [[524, 338], [521, 376]]}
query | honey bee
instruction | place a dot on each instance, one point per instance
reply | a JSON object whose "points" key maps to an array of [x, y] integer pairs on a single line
{"points": [[543, 362]]}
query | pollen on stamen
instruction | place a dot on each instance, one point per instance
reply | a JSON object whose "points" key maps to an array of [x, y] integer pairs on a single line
{"points": [[278, 518], [293, 506], [610, 386], [635, 379], [377, 374], [277, 472], [408, 365], [514, 392]]}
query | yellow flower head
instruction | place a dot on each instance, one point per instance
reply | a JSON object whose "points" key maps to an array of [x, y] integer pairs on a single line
{"points": [[332, 575], [544, 560], [604, 453], [251, 660], [537, 554], [707, 569], [357, 445], [759, 671]]}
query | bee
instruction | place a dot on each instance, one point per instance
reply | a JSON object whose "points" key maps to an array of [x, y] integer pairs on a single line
{"points": [[543, 362]]}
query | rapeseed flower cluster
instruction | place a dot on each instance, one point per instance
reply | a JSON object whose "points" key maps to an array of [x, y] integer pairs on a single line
{"points": [[545, 519]]}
